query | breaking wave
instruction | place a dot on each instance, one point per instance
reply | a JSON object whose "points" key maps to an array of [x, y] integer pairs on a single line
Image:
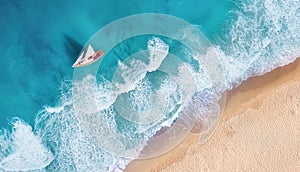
{"points": [[264, 35]]}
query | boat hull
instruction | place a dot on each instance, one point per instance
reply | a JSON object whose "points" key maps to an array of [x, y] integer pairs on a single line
{"points": [[89, 60]]}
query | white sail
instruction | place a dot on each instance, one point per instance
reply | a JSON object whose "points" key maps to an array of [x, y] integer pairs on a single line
{"points": [[90, 51], [79, 58], [87, 53]]}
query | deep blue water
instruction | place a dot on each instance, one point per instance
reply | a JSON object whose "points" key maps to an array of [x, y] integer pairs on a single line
{"points": [[40, 40]]}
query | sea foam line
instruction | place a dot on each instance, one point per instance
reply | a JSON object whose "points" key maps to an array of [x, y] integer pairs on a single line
{"points": [[265, 35]]}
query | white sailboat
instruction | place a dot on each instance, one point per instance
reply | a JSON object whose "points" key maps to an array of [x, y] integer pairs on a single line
{"points": [[88, 57]]}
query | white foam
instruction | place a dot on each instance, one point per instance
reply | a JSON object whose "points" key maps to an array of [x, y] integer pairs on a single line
{"points": [[73, 149], [133, 70], [264, 35], [53, 109], [131, 74], [84, 95], [158, 52], [27, 151]]}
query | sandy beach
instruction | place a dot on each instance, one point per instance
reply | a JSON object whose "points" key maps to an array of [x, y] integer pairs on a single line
{"points": [[259, 131]]}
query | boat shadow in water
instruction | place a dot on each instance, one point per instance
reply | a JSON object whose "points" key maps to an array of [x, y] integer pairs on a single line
{"points": [[72, 47]]}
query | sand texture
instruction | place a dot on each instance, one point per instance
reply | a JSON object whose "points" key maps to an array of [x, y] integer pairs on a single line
{"points": [[259, 131]]}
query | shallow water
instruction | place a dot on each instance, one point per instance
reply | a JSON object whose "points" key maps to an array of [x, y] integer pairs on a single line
{"points": [[40, 41]]}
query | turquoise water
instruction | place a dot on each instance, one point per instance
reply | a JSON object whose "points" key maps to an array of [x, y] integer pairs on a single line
{"points": [[40, 41]]}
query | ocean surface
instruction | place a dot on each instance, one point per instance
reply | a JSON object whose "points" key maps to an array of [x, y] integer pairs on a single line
{"points": [[47, 123]]}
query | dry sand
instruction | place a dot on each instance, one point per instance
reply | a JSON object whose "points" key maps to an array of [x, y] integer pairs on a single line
{"points": [[259, 131]]}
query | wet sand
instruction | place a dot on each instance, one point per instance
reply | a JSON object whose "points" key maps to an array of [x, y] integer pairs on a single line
{"points": [[259, 131]]}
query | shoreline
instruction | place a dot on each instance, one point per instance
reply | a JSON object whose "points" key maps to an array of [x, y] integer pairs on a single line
{"points": [[249, 96]]}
